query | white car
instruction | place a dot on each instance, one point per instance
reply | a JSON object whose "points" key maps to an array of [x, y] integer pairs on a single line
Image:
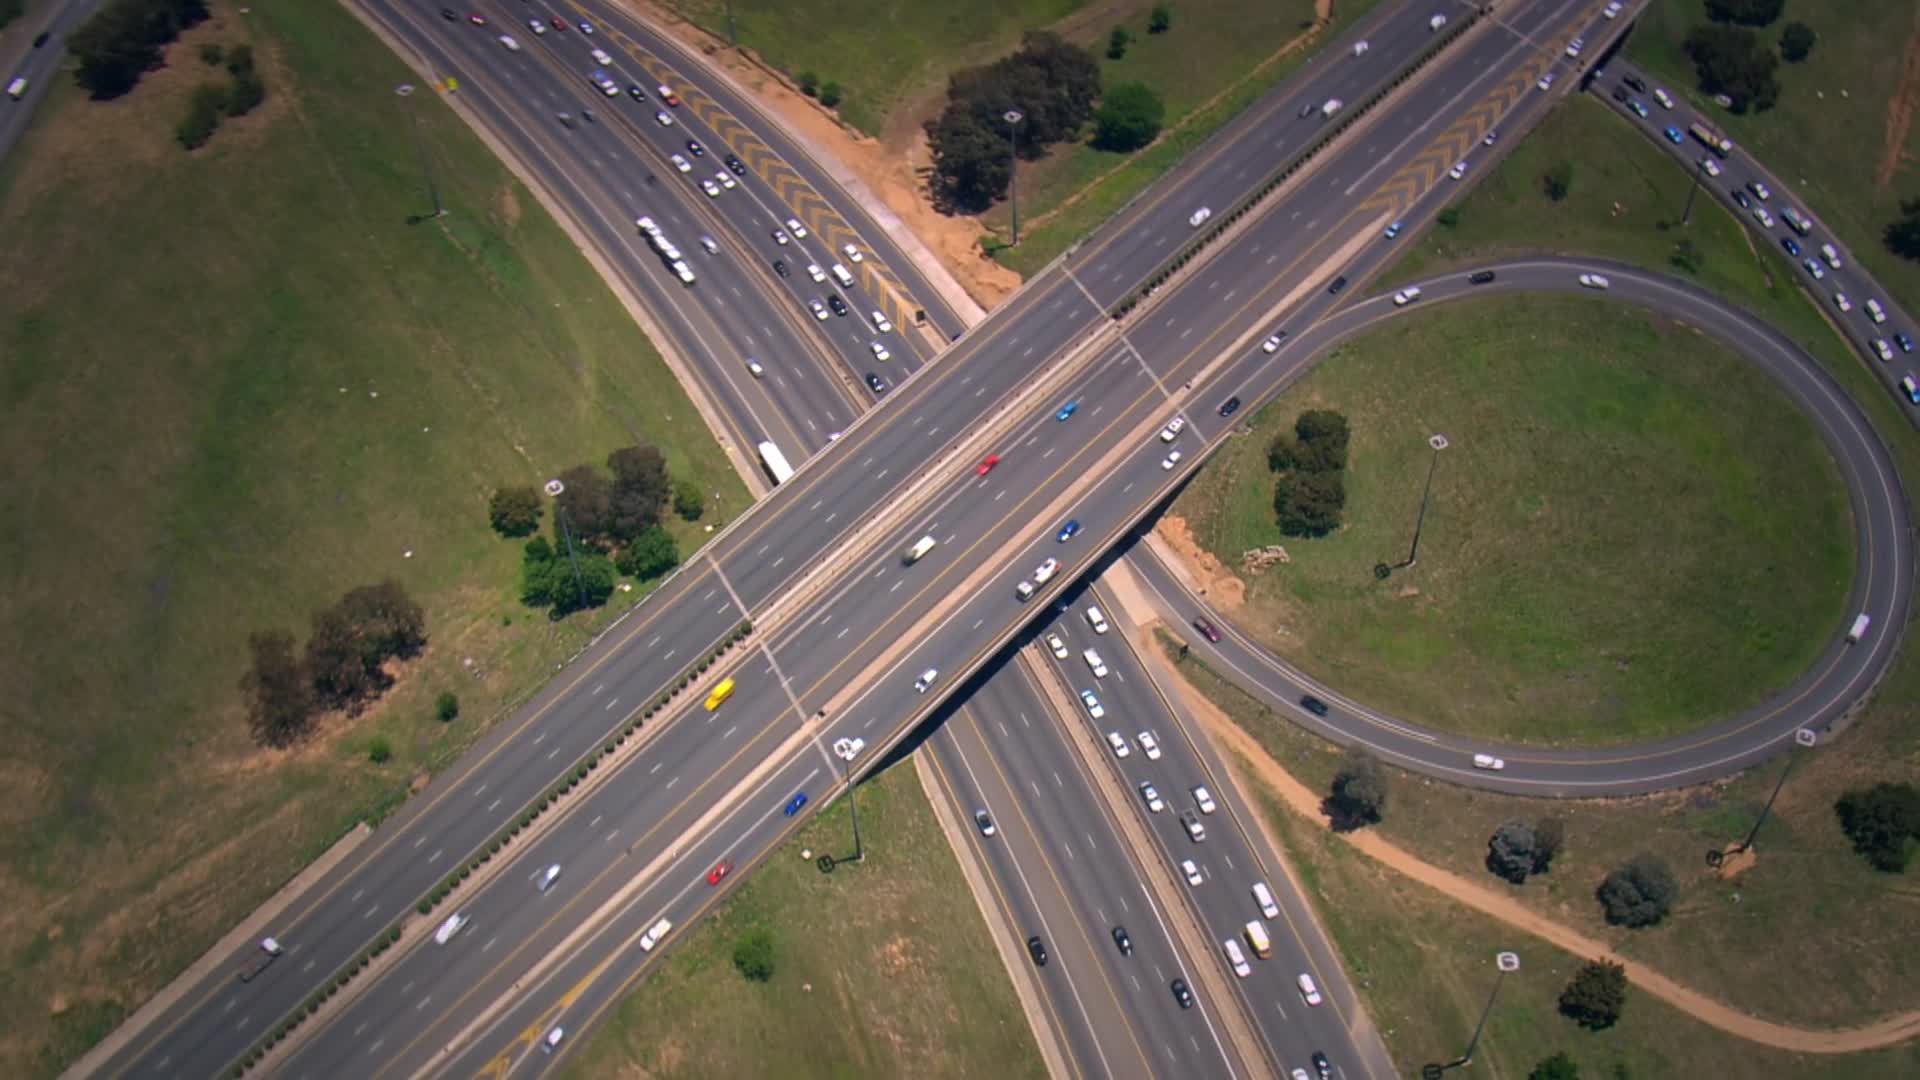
{"points": [[780, 237], [655, 935], [848, 749], [547, 877], [1094, 663], [1148, 743], [1406, 296], [754, 369], [1759, 190], [1881, 347], [1271, 345], [1094, 708], [680, 163], [1612, 10], [1546, 81], [1840, 301], [1574, 46], [1203, 799], [1875, 312], [853, 253], [1665, 99], [1308, 991], [1711, 166], [682, 271], [880, 322], [926, 679], [1489, 762], [454, 924], [1761, 215], [1170, 460], [727, 181], [819, 309], [1813, 267], [1191, 871], [1199, 217], [607, 86], [712, 189], [537, 27], [1058, 647], [1196, 832], [879, 351], [1118, 742], [1828, 253], [1045, 571], [507, 40], [1173, 429], [1154, 802], [600, 57], [1594, 281], [814, 272], [660, 117], [797, 229], [1458, 171], [1238, 961], [712, 245]]}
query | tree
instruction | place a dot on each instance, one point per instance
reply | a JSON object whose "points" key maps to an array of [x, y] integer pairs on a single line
{"points": [[1359, 792], [1903, 236], [1557, 1067], [1745, 12], [809, 83], [122, 42], [689, 500], [1638, 893], [446, 707], [1307, 503], [1322, 436], [1796, 41], [1160, 20], [1128, 118], [246, 93], [390, 624], [279, 694], [589, 589], [1557, 180], [514, 511], [203, 116], [353, 640], [586, 504], [1053, 83], [1881, 821], [536, 573], [1731, 60], [1448, 217], [971, 161], [830, 94], [1595, 996], [753, 954], [1117, 42], [1511, 851], [1549, 833], [650, 555], [640, 490]]}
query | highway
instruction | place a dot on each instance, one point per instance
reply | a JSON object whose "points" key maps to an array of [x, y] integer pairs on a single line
{"points": [[814, 564], [39, 64]]}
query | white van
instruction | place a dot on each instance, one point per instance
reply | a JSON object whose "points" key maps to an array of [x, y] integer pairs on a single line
{"points": [[1264, 898], [918, 550], [17, 89], [1098, 665], [1096, 620], [842, 275], [1859, 629], [552, 1041], [1236, 958], [1256, 932]]}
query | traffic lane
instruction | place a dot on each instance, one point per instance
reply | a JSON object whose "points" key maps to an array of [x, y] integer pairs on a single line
{"points": [[40, 66], [774, 134], [1084, 1003]]}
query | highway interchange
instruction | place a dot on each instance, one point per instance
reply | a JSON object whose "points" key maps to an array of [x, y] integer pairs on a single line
{"points": [[817, 567]]}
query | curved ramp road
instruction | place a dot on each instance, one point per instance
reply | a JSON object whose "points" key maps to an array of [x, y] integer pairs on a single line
{"points": [[1819, 700]]}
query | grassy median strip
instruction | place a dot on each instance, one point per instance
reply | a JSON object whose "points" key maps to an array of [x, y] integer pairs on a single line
{"points": [[877, 969], [238, 382]]}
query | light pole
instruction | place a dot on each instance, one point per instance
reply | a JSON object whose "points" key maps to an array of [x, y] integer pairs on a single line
{"points": [[1506, 962], [733, 32], [1382, 570], [1013, 118], [554, 488], [1803, 737], [405, 90], [847, 750]]}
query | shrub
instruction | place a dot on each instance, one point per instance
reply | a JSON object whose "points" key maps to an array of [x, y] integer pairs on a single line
{"points": [[1557, 181], [809, 84], [1129, 118], [203, 116], [240, 60], [1117, 42], [1882, 821], [379, 750], [246, 93], [1448, 217], [211, 54], [1359, 792], [1160, 20], [753, 955], [1639, 893], [515, 511], [1510, 851], [689, 501], [446, 707], [1595, 996], [1796, 41], [830, 94]]}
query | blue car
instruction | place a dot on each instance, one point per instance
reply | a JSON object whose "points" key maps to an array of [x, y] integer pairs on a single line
{"points": [[1068, 531], [794, 804], [1067, 410], [1788, 243], [1393, 230], [1905, 342], [1673, 135]]}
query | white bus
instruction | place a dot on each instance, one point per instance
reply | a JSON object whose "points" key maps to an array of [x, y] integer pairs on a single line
{"points": [[776, 463]]}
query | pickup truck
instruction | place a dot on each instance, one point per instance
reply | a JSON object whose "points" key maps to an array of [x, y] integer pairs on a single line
{"points": [[269, 952]]}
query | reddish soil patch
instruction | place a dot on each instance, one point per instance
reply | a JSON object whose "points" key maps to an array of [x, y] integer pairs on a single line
{"points": [[1900, 110]]}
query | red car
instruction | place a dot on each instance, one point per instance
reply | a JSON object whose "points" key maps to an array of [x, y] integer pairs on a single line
{"points": [[477, 19], [986, 466], [559, 24], [720, 871]]}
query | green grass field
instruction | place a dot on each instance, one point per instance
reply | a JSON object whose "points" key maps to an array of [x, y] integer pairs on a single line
{"points": [[194, 345], [1834, 135], [1616, 548], [880, 51], [880, 969]]}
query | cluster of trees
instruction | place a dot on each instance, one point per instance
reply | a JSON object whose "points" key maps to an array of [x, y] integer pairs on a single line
{"points": [[123, 41], [1312, 462], [1731, 59], [605, 522], [1518, 849], [212, 101], [1883, 822], [1052, 82], [1640, 892], [1595, 996], [1359, 794], [1903, 236], [344, 666]]}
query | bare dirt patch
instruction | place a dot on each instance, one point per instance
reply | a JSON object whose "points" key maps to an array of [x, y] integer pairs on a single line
{"points": [[1211, 580], [1900, 110]]}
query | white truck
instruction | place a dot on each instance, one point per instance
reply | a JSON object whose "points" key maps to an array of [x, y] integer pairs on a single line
{"points": [[269, 952]]}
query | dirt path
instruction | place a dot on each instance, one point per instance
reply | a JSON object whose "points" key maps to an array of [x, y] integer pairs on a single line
{"points": [[1251, 756], [1906, 98]]}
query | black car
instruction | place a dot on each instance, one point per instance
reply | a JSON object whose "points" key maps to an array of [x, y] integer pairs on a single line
{"points": [[42, 38], [1791, 246], [780, 267], [1181, 994], [738, 167], [1038, 950], [1122, 942], [1620, 94], [448, 14], [694, 147], [1230, 406], [1321, 1065], [1480, 277], [838, 305], [1740, 197], [1634, 81], [637, 94], [1306, 110], [876, 384], [1205, 626], [1314, 705], [1339, 284]]}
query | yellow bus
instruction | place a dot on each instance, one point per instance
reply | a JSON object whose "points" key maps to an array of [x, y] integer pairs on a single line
{"points": [[1257, 937], [720, 693]]}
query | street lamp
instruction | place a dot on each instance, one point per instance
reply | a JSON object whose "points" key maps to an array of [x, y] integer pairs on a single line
{"points": [[1699, 170], [1506, 962], [1381, 570], [405, 90], [1803, 737], [1013, 118], [846, 750], [553, 489]]}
